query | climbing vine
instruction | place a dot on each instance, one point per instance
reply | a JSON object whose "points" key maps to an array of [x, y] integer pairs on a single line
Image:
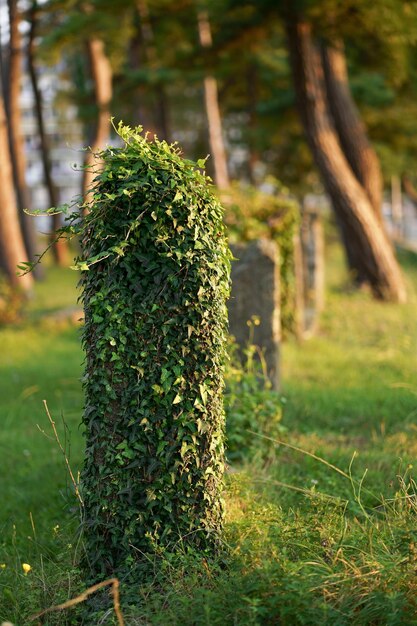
{"points": [[155, 279], [251, 214]]}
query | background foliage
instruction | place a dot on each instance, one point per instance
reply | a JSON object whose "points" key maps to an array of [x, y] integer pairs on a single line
{"points": [[272, 214]]}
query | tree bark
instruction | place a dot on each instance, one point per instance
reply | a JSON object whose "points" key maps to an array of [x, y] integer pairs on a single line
{"points": [[12, 106], [11, 239], [410, 190], [354, 142], [350, 200], [102, 75], [140, 112], [349, 126], [60, 248], [221, 174], [252, 91]]}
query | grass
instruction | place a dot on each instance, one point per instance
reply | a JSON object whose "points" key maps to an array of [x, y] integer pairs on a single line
{"points": [[321, 529], [40, 359]]}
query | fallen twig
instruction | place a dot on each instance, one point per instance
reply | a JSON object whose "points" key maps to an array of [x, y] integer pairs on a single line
{"points": [[114, 582]]}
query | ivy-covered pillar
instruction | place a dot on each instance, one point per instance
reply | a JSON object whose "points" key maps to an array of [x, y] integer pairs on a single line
{"points": [[154, 286]]}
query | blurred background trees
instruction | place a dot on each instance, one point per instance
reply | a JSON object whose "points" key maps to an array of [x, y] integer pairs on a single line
{"points": [[316, 93]]}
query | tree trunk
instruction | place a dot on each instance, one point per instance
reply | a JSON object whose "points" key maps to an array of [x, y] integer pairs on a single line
{"points": [[60, 248], [410, 190], [148, 38], [221, 174], [354, 142], [356, 273], [11, 90], [252, 91], [11, 239], [140, 112], [102, 75], [397, 212], [349, 125], [349, 199]]}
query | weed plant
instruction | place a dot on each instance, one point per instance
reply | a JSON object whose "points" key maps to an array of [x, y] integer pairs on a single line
{"points": [[253, 408]]}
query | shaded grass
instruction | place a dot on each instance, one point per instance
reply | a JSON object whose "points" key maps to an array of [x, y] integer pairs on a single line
{"points": [[304, 543]]}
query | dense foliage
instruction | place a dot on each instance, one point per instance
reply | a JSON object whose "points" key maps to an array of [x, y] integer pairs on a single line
{"points": [[155, 283], [249, 61]]}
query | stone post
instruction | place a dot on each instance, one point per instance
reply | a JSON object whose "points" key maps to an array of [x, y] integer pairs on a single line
{"points": [[256, 293], [312, 244]]}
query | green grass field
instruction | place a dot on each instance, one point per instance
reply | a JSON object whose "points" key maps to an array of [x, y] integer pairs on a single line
{"points": [[321, 528]]}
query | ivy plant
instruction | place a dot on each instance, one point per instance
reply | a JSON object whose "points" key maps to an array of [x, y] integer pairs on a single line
{"points": [[155, 279], [252, 213]]}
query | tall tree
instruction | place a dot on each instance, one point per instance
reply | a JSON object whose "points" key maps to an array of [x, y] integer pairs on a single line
{"points": [[132, 91], [60, 247], [16, 140], [151, 54], [349, 125], [214, 120], [11, 239], [410, 189], [349, 199], [252, 85], [102, 75]]}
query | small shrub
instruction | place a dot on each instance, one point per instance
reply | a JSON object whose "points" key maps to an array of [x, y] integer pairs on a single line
{"points": [[11, 303], [252, 407]]}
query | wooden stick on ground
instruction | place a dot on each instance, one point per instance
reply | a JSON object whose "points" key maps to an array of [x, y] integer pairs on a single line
{"points": [[84, 595]]}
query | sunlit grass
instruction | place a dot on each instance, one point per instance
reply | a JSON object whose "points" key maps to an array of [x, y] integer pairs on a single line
{"points": [[321, 528]]}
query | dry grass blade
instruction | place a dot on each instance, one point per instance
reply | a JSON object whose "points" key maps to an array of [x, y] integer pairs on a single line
{"points": [[114, 582], [74, 482], [305, 452], [340, 580], [307, 492]]}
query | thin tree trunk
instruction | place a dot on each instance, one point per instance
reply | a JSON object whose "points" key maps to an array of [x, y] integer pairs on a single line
{"points": [[221, 174], [148, 37], [410, 190], [140, 112], [349, 126], [12, 105], [11, 239], [349, 199], [102, 77], [252, 83], [397, 206], [60, 248]]}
